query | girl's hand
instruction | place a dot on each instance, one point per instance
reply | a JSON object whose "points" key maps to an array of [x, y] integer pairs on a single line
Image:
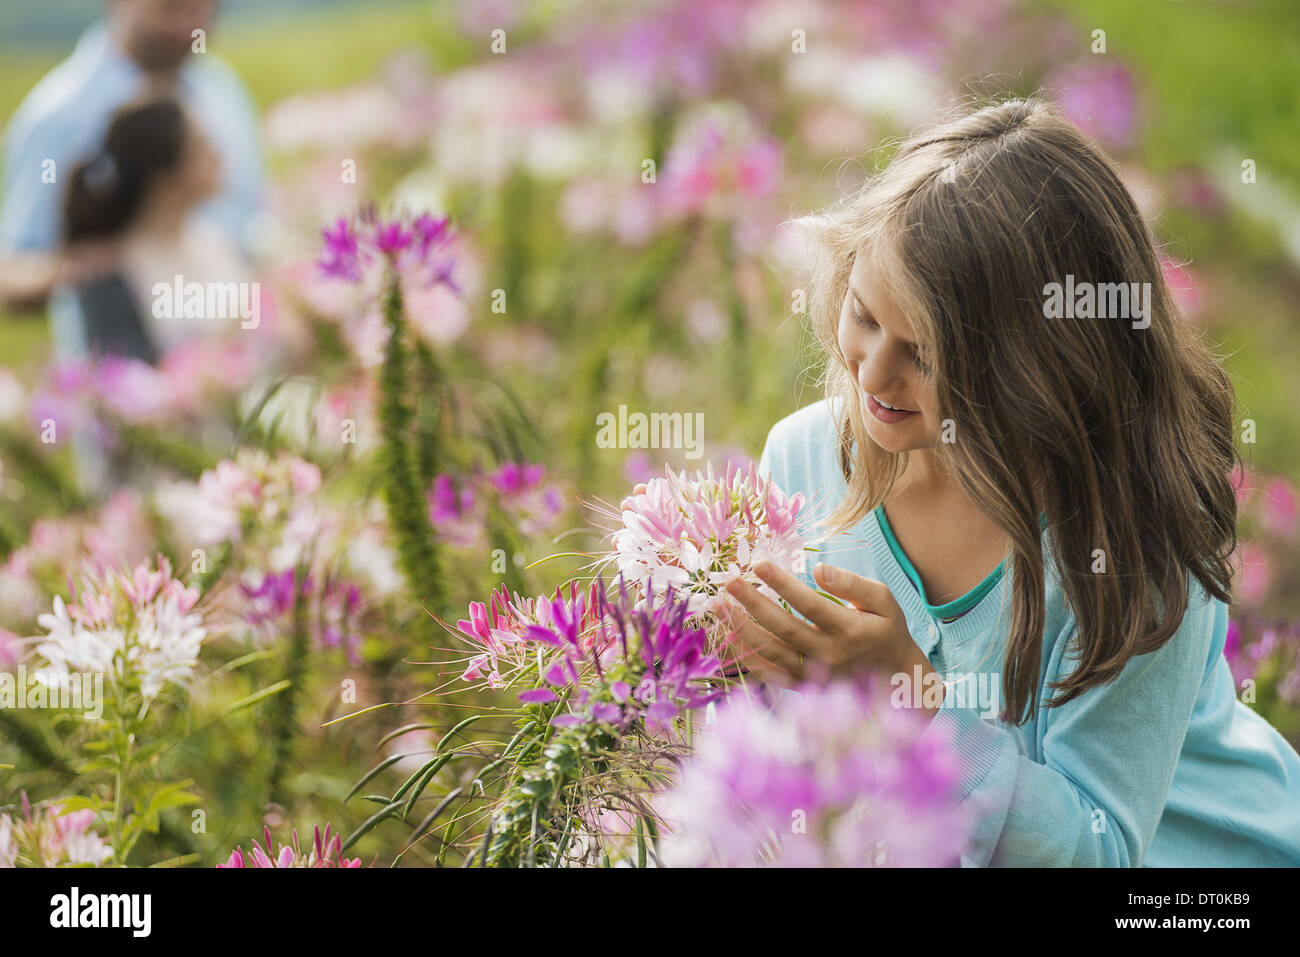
{"points": [[871, 635]]}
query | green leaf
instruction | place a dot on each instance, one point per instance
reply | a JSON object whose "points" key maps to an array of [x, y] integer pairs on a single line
{"points": [[369, 825], [431, 769], [532, 723], [80, 802], [172, 796], [433, 815], [162, 798], [403, 730], [257, 696], [452, 733], [146, 752], [240, 662], [381, 766]]}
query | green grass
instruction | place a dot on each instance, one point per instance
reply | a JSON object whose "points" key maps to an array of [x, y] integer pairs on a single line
{"points": [[277, 58], [335, 49]]}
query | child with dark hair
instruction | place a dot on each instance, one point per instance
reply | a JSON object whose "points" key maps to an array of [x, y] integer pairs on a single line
{"points": [[138, 192], [106, 195]]}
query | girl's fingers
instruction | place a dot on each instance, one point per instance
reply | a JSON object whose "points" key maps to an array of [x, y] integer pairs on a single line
{"points": [[864, 594], [763, 654], [830, 616], [797, 635]]}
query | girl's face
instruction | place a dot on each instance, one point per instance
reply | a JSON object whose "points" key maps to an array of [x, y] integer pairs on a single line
{"points": [[200, 173], [196, 177], [877, 342]]}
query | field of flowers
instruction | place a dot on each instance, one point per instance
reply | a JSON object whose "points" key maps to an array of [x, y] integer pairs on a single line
{"points": [[398, 578]]}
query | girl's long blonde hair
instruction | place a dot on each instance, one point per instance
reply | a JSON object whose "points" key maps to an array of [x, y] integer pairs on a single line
{"points": [[1122, 435]]}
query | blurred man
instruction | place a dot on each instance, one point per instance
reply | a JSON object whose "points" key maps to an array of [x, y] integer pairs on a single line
{"points": [[142, 44]]}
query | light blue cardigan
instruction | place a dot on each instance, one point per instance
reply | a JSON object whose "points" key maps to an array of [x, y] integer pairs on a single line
{"points": [[1161, 767]]}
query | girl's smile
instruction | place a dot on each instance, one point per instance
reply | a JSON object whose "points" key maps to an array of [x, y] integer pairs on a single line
{"points": [[886, 413]]}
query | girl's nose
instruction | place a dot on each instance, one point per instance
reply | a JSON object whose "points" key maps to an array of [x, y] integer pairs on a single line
{"points": [[875, 372]]}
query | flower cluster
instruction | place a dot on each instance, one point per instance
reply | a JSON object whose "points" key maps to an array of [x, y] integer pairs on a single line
{"points": [[619, 664], [139, 628], [502, 626], [1268, 655], [251, 490], [87, 395], [616, 657], [47, 837], [458, 505], [641, 660], [824, 777], [413, 246], [116, 533], [718, 165], [324, 851], [694, 534], [337, 608]]}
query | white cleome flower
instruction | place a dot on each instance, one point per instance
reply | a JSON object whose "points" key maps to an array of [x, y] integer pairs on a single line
{"points": [[139, 626]]}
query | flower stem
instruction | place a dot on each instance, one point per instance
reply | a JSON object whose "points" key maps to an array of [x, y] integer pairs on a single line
{"points": [[429, 392], [121, 778], [287, 704], [541, 790], [407, 513]]}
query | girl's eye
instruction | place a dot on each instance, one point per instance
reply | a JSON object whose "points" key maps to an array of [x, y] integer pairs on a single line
{"points": [[859, 318], [868, 323]]}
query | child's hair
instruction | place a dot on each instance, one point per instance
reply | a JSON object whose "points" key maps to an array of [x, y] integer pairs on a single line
{"points": [[144, 141], [1122, 435]]}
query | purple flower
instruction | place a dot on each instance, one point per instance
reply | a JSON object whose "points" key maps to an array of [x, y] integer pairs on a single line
{"points": [[527, 500], [459, 505], [341, 256], [454, 512], [412, 246], [1267, 653], [336, 623], [1100, 98], [539, 696], [274, 597], [340, 609], [1232, 651], [620, 658], [391, 239], [823, 777], [658, 642]]}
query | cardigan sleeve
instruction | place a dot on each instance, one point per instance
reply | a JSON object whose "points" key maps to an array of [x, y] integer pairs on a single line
{"points": [[1106, 759]]}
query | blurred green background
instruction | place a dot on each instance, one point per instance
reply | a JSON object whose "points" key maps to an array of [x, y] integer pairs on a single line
{"points": [[1220, 81]]}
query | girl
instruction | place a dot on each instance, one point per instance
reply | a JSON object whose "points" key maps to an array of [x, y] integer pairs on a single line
{"points": [[138, 192], [1039, 507]]}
